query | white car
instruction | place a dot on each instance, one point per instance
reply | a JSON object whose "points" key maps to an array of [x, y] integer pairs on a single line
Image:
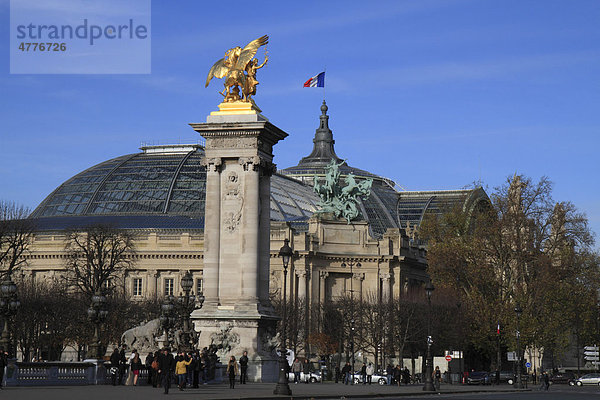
{"points": [[588, 379], [377, 379], [314, 377]]}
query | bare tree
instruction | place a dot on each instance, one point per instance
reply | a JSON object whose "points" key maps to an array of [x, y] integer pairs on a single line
{"points": [[16, 232], [98, 256]]}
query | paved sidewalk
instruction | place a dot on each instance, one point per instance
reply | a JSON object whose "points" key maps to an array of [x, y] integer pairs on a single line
{"points": [[255, 391]]}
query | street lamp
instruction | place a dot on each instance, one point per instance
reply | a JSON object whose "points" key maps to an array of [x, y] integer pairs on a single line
{"points": [[351, 264], [283, 387], [167, 317], [97, 314], [188, 303], [9, 304], [518, 383], [428, 386]]}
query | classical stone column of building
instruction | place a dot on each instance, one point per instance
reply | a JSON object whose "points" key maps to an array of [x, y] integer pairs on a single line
{"points": [[301, 274], [152, 278], [385, 285], [360, 277], [237, 313], [322, 285]]}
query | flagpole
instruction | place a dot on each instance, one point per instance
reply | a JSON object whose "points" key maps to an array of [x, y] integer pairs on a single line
{"points": [[324, 85]]}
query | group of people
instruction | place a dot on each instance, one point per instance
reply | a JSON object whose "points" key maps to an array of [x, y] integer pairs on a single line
{"points": [[233, 370], [298, 368], [190, 369]]}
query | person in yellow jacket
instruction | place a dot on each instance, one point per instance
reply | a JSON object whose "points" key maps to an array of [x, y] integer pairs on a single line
{"points": [[232, 371], [181, 369]]}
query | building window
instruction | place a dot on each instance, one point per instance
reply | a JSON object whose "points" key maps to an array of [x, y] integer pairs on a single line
{"points": [[199, 286], [137, 286], [168, 286]]}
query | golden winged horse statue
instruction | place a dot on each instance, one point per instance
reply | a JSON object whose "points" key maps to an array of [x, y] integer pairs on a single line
{"points": [[239, 67]]}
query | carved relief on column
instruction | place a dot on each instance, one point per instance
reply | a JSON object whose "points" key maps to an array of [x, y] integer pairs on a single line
{"points": [[233, 202], [385, 284]]}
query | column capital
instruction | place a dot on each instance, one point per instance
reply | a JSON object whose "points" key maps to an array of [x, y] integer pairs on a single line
{"points": [[212, 164], [301, 273], [359, 276], [384, 275], [323, 274]]}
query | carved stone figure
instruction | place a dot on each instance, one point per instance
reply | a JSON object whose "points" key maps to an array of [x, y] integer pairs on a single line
{"points": [[142, 337], [225, 339]]}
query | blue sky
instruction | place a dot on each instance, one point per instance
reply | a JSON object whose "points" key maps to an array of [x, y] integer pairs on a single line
{"points": [[432, 94]]}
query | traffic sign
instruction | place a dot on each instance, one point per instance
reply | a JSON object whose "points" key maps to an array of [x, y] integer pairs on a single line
{"points": [[448, 358], [591, 348], [528, 364], [592, 358], [590, 353]]}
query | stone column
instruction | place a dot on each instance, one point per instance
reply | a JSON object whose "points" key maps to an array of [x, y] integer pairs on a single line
{"points": [[152, 277], [212, 231], [322, 282], [266, 171], [251, 229], [301, 274], [385, 285], [359, 277]]}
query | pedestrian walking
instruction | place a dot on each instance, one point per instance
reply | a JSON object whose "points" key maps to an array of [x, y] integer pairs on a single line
{"points": [[296, 369], [148, 364], [306, 370], [181, 370], [3, 364], [437, 378], [389, 374], [370, 372], [232, 371], [346, 372], [122, 364], [244, 368], [406, 376], [136, 366], [166, 365], [363, 374], [115, 359], [398, 374], [545, 381]]}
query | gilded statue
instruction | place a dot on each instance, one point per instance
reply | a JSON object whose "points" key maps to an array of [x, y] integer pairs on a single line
{"points": [[239, 68]]}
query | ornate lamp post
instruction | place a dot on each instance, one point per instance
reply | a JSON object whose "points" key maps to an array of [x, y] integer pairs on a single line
{"points": [[283, 387], [188, 303], [167, 317], [9, 304], [351, 264], [428, 386], [97, 314], [518, 383]]}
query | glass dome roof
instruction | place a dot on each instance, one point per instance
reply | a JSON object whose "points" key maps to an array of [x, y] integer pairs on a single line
{"points": [[160, 181]]}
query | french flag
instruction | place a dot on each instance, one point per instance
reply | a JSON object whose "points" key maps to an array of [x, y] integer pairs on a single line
{"points": [[316, 81]]}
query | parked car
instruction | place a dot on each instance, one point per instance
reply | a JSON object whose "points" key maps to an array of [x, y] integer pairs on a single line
{"points": [[314, 377], [479, 378], [588, 379], [563, 377], [377, 378], [506, 376]]}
